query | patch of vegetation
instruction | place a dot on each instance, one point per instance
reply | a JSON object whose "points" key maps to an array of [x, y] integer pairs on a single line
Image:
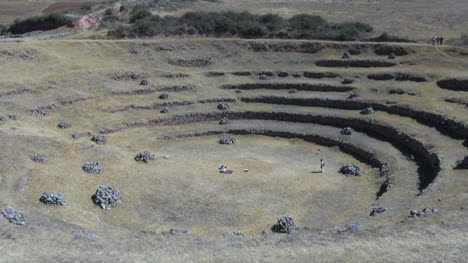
{"points": [[174, 4], [44, 22], [385, 37], [246, 25]]}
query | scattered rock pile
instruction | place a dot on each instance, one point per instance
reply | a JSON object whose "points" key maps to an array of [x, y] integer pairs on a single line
{"points": [[223, 106], [93, 168], [292, 91], [392, 56], [349, 80], [107, 197], [238, 233], [145, 157], [224, 121], [13, 216], [346, 55], [347, 131], [263, 77], [376, 211], [285, 224], [422, 213], [144, 82], [350, 169], [99, 139], [368, 111], [164, 110], [52, 198], [228, 140], [353, 95], [164, 96], [175, 232], [39, 158], [64, 125]]}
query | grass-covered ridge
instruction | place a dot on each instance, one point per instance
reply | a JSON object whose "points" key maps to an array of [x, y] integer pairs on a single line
{"points": [[237, 24]]}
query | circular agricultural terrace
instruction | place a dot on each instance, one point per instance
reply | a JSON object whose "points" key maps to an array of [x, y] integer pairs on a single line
{"points": [[288, 110]]}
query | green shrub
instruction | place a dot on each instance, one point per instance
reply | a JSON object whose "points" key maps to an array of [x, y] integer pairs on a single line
{"points": [[303, 22], [108, 12], [243, 24], [385, 37], [45, 22], [86, 7], [139, 12]]}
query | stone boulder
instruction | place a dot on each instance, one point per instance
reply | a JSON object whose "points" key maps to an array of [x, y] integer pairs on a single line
{"points": [[376, 211], [285, 224], [99, 139], [224, 121], [367, 111], [64, 125], [164, 96], [346, 55], [347, 131], [39, 158], [238, 233], [223, 106], [228, 140], [107, 197], [350, 169], [144, 82]]}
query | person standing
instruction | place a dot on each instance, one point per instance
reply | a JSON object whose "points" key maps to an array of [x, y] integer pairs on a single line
{"points": [[433, 41], [322, 165], [441, 40]]}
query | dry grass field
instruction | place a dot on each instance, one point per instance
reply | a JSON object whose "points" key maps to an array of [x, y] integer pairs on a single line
{"points": [[96, 87], [289, 101]]}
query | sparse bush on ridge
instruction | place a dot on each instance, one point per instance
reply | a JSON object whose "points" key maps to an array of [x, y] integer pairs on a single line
{"points": [[242, 24], [385, 37]]}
